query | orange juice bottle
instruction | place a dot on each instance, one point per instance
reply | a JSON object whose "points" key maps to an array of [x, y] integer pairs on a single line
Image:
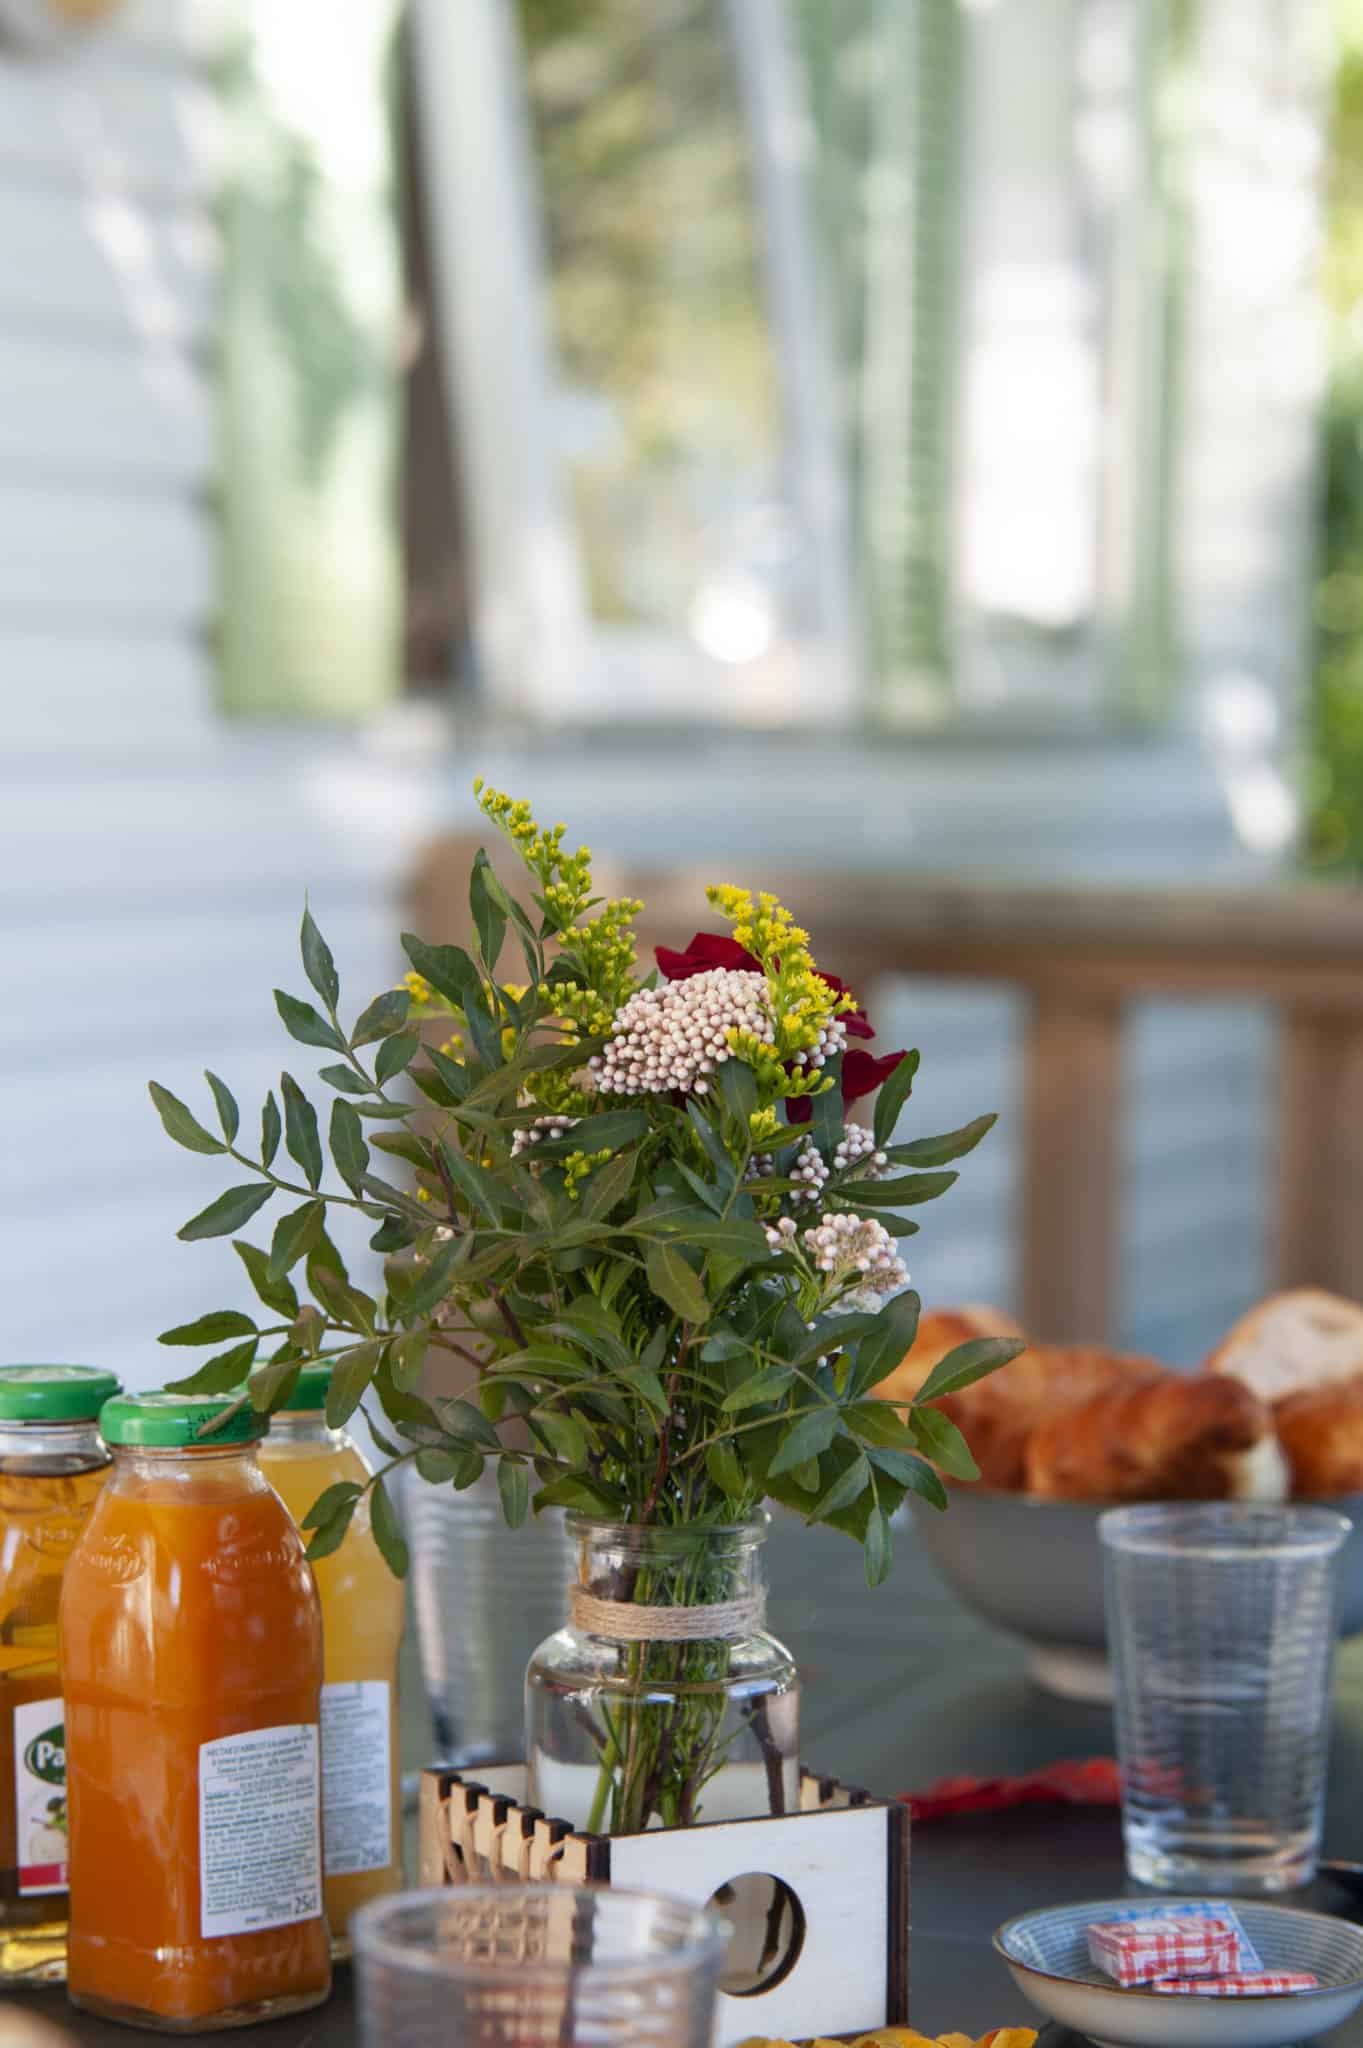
{"points": [[52, 1464], [362, 1613], [191, 1655]]}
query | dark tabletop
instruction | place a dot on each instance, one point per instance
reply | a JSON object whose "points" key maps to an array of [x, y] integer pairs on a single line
{"points": [[901, 1687]]}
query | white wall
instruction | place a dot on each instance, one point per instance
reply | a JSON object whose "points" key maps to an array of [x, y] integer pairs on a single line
{"points": [[153, 861]]}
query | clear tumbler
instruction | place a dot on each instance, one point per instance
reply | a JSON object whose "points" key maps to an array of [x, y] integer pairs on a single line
{"points": [[1221, 1624], [536, 1966]]}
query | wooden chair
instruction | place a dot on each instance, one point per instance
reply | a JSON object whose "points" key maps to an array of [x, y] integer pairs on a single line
{"points": [[1082, 958]]}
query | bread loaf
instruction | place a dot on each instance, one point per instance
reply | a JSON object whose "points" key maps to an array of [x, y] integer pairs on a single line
{"points": [[998, 1415], [1293, 1343], [1321, 1433]]}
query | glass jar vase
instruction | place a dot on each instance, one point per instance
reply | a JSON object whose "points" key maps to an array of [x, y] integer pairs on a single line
{"points": [[663, 1701]]}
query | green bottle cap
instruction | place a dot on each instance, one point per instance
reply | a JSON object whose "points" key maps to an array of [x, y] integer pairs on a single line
{"points": [[54, 1393], [174, 1421]]}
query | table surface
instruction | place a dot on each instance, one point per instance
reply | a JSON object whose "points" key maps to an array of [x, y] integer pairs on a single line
{"points": [[901, 1687]]}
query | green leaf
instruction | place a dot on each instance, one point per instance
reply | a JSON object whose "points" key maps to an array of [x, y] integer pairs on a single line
{"points": [[271, 1130], [968, 1363], [570, 1492], [229, 1116], [850, 1483], [878, 1422], [210, 1328], [911, 1473], [723, 1344], [318, 964], [878, 1553], [387, 1534], [893, 1094], [345, 1491], [487, 902], [344, 1078], [462, 1419], [882, 1350], [402, 1145], [674, 1282], [513, 1484], [448, 1081], [228, 1213], [767, 1385], [897, 1193], [951, 1145], [738, 1087], [432, 1281], [721, 1462], [294, 1235], [440, 1467], [274, 1290], [395, 1054], [273, 1386], [475, 1183], [407, 1357], [348, 1147], [300, 1130], [350, 1377], [221, 1375], [305, 1024], [448, 969], [809, 1438], [332, 1533], [607, 1186], [385, 1015], [394, 1234], [180, 1124], [940, 1440], [565, 1435]]}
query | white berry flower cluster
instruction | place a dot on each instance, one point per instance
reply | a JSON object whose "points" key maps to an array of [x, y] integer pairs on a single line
{"points": [[809, 1173], [857, 1147], [554, 1126], [847, 1248], [674, 1037]]}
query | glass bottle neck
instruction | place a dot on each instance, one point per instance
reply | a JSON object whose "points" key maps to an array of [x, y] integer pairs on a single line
{"points": [[160, 1460], [690, 1566], [56, 1447], [307, 1426]]}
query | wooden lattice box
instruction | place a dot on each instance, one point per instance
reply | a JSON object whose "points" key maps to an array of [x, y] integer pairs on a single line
{"points": [[819, 1899]]}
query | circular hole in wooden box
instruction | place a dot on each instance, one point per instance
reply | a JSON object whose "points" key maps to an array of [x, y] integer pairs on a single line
{"points": [[768, 1925]]}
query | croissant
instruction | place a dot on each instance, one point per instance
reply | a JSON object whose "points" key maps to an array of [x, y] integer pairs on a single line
{"points": [[1321, 1434], [998, 1415], [1165, 1436]]}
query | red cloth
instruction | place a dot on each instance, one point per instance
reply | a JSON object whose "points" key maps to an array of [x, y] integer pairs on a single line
{"points": [[1252, 1984], [1094, 1782]]}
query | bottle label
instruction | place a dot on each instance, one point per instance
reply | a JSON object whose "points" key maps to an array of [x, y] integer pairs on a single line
{"points": [[357, 1776], [260, 1848], [40, 1796]]}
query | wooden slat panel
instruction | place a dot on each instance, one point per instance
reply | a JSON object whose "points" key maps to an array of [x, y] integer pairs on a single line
{"points": [[103, 416], [114, 127], [1320, 1208], [100, 264], [104, 557], [70, 696], [1068, 1220]]}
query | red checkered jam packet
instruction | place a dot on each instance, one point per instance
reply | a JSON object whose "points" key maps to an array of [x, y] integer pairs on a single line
{"points": [[1137, 1951], [1242, 1984]]}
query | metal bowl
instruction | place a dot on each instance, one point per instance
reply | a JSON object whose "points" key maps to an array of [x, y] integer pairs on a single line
{"points": [[1034, 1568]]}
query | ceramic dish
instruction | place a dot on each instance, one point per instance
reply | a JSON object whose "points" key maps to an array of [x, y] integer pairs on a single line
{"points": [[1034, 1568], [1047, 1954]]}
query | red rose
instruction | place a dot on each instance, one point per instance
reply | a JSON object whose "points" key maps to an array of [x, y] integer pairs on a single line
{"points": [[706, 950], [857, 1023]]}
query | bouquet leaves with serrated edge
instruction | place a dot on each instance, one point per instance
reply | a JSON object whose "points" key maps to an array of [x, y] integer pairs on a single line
{"points": [[632, 1207]]}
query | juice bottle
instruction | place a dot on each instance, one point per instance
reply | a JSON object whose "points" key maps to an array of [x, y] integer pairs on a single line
{"points": [[52, 1464], [362, 1613], [191, 1652]]}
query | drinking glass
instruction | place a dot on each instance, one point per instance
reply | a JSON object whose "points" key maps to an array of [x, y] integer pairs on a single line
{"points": [[537, 1966], [1221, 1623]]}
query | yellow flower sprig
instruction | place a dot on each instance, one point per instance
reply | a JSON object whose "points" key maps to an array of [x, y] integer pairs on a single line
{"points": [[801, 1003]]}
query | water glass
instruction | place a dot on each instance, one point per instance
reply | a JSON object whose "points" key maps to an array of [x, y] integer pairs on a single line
{"points": [[537, 1966], [1221, 1624]]}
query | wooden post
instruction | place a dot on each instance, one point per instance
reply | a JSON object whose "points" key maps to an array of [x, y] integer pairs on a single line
{"points": [[1069, 1198], [1320, 1166]]}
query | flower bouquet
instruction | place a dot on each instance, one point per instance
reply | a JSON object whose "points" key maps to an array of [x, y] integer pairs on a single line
{"points": [[632, 1206]]}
